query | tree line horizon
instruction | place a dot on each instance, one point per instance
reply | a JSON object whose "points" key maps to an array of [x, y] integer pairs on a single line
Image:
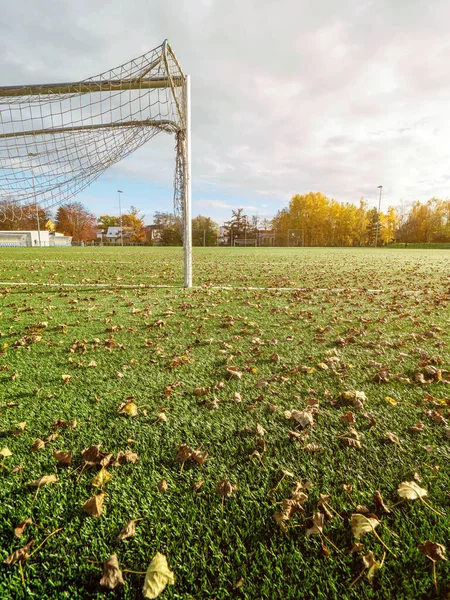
{"points": [[310, 219]]}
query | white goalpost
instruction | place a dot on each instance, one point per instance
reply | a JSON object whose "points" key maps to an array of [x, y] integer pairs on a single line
{"points": [[57, 138]]}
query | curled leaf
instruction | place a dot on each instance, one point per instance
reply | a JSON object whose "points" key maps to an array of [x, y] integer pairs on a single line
{"points": [[361, 525], [21, 527], [112, 574], [45, 480], [225, 488], [433, 550], [19, 555], [317, 528], [127, 531]]}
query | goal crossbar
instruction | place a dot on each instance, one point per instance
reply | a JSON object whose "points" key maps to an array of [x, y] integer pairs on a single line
{"points": [[85, 87]]}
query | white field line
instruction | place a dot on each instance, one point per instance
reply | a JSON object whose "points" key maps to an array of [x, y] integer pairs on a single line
{"points": [[141, 286]]}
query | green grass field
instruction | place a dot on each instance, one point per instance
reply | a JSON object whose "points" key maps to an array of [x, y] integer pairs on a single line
{"points": [[372, 321]]}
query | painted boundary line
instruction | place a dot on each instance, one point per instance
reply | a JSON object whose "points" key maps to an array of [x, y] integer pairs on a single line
{"points": [[141, 286]]}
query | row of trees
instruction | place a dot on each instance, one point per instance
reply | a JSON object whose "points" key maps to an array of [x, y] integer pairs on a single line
{"points": [[319, 221], [310, 219]]}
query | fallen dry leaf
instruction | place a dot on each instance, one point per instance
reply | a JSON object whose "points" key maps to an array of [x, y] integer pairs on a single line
{"points": [[380, 502], [127, 457], [127, 531], [411, 491], [129, 409], [63, 457], [21, 527], [433, 550], [101, 478], [225, 488], [112, 574], [19, 555], [94, 505], [38, 444], [158, 576], [317, 528], [361, 525], [5, 452], [45, 480], [162, 485]]}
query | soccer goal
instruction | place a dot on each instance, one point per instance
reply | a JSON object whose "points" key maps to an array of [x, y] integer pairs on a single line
{"points": [[244, 243], [57, 138]]}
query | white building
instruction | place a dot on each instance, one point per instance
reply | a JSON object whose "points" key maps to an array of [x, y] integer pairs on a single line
{"points": [[31, 238]]}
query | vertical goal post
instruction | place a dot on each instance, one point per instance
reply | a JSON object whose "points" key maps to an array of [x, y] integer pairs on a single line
{"points": [[57, 138]]}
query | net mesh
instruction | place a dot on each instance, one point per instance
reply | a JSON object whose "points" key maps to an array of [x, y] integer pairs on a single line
{"points": [[56, 139]]}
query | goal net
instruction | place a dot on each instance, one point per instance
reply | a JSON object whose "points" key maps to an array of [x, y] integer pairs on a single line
{"points": [[243, 243], [56, 139]]}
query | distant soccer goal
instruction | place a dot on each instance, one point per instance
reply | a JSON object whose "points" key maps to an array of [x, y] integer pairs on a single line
{"points": [[243, 243], [57, 138]]}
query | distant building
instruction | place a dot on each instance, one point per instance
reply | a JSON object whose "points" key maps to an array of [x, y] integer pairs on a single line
{"points": [[31, 238], [114, 235], [153, 233]]}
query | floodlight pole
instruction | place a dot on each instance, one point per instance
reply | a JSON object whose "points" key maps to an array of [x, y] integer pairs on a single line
{"points": [[119, 192], [380, 187], [187, 192]]}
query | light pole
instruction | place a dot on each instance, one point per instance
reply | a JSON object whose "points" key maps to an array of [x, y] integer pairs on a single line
{"points": [[380, 187], [120, 217], [31, 154]]}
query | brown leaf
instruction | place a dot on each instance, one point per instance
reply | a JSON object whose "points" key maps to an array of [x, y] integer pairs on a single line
{"points": [[21, 527], [357, 547], [380, 502], [183, 453], [225, 488], [45, 480], [349, 417], [433, 550], [417, 428], [94, 505], [94, 456], [127, 531], [19, 555], [162, 485], [127, 457], [199, 456], [38, 444], [63, 457], [112, 574], [391, 437]]}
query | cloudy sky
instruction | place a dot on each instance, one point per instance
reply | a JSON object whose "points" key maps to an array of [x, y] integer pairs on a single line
{"points": [[288, 96]]}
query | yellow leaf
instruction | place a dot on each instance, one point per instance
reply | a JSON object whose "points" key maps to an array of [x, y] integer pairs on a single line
{"points": [[101, 478], [157, 577], [391, 400], [5, 452], [130, 409]]}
